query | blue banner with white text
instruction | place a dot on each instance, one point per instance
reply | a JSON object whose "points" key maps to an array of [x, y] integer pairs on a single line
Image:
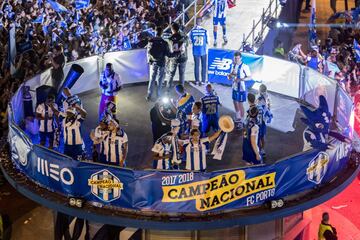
{"points": [[220, 64], [175, 191]]}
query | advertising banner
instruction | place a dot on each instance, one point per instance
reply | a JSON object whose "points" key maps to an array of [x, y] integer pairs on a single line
{"points": [[220, 63], [344, 108], [175, 191], [316, 84]]}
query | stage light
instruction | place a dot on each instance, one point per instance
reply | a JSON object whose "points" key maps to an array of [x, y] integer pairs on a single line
{"points": [[278, 25], [165, 100]]}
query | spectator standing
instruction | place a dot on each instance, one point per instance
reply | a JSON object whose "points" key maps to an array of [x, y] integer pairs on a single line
{"points": [[110, 85], [57, 61], [296, 54], [158, 49], [279, 51], [314, 61], [326, 231], [179, 43], [199, 39]]}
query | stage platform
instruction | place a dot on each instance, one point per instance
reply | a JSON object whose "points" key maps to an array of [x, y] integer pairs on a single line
{"points": [[283, 139]]}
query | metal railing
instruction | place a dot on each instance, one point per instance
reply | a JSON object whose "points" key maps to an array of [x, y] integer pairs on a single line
{"points": [[193, 9], [259, 27]]}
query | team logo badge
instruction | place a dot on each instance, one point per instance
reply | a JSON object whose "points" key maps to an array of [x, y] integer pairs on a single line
{"points": [[105, 186], [317, 168], [20, 149], [221, 64]]}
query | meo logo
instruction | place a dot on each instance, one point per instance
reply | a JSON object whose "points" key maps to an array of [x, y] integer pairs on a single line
{"points": [[221, 64], [53, 171], [317, 167], [105, 185]]}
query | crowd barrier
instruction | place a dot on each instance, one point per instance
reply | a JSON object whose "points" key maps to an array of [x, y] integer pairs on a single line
{"points": [[184, 191]]}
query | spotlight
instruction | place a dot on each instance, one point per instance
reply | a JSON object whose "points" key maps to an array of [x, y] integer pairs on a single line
{"points": [[165, 100], [279, 203]]}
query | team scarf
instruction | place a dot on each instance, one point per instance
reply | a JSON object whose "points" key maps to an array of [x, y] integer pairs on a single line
{"points": [[176, 150], [219, 146]]}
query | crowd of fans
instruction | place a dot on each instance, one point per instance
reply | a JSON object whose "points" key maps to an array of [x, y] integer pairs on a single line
{"points": [[106, 25], [336, 57]]}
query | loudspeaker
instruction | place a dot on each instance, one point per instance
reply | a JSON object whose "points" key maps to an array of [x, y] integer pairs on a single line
{"points": [[42, 92], [73, 75]]}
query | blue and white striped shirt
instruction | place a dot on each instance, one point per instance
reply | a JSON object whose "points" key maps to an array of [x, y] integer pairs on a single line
{"points": [[72, 131], [220, 7], [196, 154], [114, 147], [46, 125], [162, 149]]}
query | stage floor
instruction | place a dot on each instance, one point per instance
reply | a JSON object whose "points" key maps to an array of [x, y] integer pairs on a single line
{"points": [[284, 136]]}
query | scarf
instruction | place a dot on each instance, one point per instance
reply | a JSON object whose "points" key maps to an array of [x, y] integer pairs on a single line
{"points": [[219, 146]]}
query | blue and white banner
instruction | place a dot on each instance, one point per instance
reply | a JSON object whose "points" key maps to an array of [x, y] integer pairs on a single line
{"points": [[80, 4], [39, 19], [12, 49], [220, 63], [57, 6], [312, 29], [175, 191]]}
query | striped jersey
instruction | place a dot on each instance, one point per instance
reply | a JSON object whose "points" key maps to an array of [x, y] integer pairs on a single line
{"points": [[195, 154], [101, 135], [220, 8], [162, 149], [72, 130], [242, 71], [110, 84], [114, 147], [46, 125]]}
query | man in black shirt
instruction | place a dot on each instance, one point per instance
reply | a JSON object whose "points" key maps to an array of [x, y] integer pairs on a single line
{"points": [[158, 49], [58, 62], [179, 43]]}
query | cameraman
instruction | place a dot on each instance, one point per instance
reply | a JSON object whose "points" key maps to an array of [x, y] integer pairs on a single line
{"points": [[158, 49], [179, 43]]}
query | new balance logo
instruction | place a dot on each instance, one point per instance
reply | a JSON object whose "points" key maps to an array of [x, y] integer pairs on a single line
{"points": [[53, 171], [221, 64]]}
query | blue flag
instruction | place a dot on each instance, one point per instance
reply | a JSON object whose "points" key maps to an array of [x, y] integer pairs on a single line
{"points": [[312, 29], [12, 49], [39, 19], [357, 50], [80, 4], [152, 4], [57, 6]]}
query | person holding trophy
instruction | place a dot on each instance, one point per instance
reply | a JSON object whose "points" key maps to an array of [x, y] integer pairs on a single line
{"points": [[239, 74]]}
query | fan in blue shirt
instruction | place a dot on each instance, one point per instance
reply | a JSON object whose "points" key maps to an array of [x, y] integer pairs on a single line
{"points": [[199, 39]]}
